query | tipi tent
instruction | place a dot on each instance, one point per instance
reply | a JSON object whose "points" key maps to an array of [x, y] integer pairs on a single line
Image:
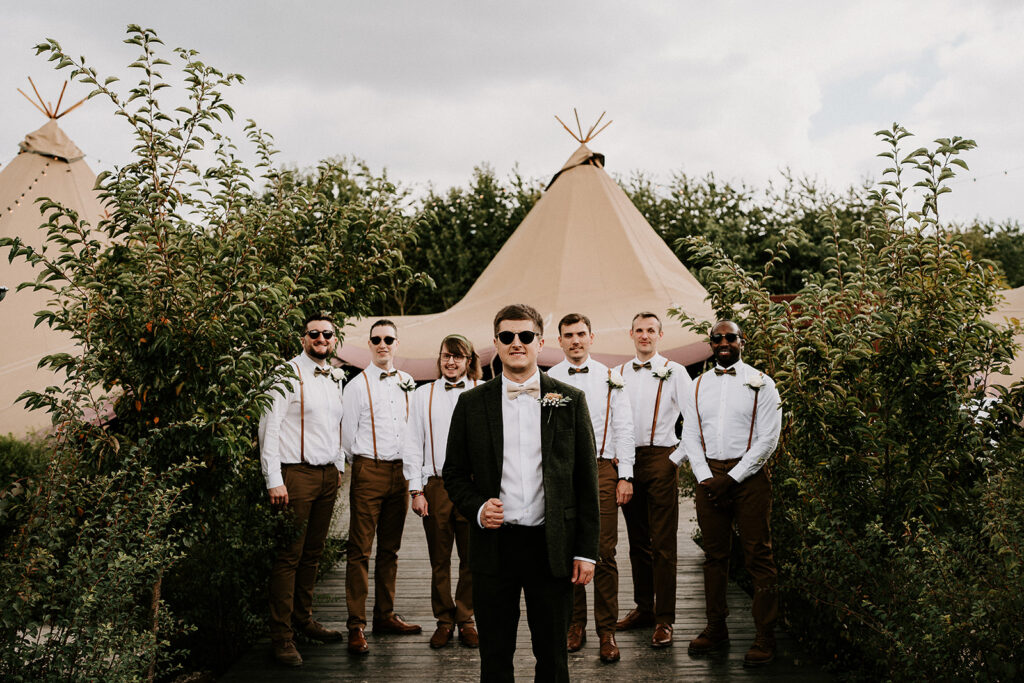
{"points": [[48, 164], [583, 248], [1012, 306]]}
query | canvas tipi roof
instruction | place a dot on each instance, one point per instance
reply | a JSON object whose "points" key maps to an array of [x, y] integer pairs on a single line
{"points": [[583, 248], [48, 164]]}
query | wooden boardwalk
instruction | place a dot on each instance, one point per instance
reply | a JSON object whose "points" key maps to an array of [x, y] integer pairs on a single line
{"points": [[408, 658]]}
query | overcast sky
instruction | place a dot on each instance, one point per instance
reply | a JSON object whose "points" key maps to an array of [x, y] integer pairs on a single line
{"points": [[428, 90]]}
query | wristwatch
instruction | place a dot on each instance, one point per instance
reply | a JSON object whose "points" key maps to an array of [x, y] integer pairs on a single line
{"points": [[628, 480]]}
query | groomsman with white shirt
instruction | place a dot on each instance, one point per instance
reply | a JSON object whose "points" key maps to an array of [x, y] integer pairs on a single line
{"points": [[732, 426], [302, 461], [424, 451], [376, 409], [657, 389], [612, 420]]}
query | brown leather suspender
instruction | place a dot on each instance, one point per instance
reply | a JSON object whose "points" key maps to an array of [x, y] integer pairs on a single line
{"points": [[302, 415], [700, 427], [430, 421], [607, 412], [373, 426]]}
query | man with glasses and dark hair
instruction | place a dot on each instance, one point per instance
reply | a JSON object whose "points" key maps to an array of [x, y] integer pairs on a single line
{"points": [[377, 407], [731, 428], [612, 420], [302, 461], [424, 451], [521, 467], [657, 390]]}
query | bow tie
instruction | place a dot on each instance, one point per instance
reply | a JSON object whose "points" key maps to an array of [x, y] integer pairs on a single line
{"points": [[448, 386], [727, 371], [573, 371], [385, 375], [638, 366], [321, 371], [532, 389]]}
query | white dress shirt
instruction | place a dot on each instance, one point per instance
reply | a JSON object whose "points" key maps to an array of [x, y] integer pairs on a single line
{"points": [[423, 456], [642, 386], [726, 409], [522, 472], [281, 429], [390, 410], [618, 441]]}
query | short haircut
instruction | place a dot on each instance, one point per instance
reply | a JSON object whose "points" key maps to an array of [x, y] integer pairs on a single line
{"points": [[320, 315], [645, 314], [572, 319], [730, 322], [457, 344], [384, 322], [519, 312]]}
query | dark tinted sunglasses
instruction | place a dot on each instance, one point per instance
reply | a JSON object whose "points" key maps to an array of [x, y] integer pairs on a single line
{"points": [[315, 334], [730, 337], [526, 336], [387, 340]]}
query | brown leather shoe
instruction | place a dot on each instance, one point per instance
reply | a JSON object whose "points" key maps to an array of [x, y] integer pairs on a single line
{"points": [[714, 637], [577, 637], [761, 652], [441, 636], [286, 654], [635, 619], [318, 631], [357, 644], [609, 648], [662, 635], [468, 635], [396, 625]]}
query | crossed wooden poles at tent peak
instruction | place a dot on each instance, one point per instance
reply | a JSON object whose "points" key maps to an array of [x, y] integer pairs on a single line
{"points": [[581, 138], [46, 109]]}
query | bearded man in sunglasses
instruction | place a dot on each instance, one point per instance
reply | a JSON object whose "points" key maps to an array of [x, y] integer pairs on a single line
{"points": [[731, 428], [302, 461], [376, 409], [521, 466]]}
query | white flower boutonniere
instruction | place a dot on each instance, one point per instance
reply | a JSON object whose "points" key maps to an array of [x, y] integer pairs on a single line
{"points": [[662, 373], [553, 400], [615, 381], [337, 374], [755, 382], [407, 384]]}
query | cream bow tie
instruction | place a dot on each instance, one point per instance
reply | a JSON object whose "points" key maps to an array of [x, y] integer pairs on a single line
{"points": [[532, 389]]}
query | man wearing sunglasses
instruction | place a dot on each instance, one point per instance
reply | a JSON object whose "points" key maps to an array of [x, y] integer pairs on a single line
{"points": [[657, 390], [302, 462], [377, 407], [731, 428], [424, 454], [521, 466], [612, 420]]}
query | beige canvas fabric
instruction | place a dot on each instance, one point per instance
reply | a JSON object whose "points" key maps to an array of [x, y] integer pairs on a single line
{"points": [[48, 165], [1012, 306], [583, 248]]}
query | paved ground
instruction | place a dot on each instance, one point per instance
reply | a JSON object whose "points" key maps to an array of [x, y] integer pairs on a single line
{"points": [[408, 658]]}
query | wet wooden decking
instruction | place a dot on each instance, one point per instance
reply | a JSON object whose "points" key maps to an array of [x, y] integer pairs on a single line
{"points": [[408, 658]]}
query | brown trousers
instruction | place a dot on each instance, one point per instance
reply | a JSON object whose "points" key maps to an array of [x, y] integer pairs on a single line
{"points": [[652, 521], [445, 526], [606, 574], [311, 494], [378, 501], [750, 510]]}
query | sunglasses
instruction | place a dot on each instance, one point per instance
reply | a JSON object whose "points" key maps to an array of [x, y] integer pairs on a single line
{"points": [[387, 340], [730, 337], [315, 334], [526, 336]]}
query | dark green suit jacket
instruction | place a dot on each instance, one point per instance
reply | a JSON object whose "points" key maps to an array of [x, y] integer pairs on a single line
{"points": [[473, 464]]}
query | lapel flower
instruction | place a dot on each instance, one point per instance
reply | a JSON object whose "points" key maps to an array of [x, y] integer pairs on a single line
{"points": [[755, 382], [615, 381], [407, 384], [662, 373], [553, 400], [337, 374]]}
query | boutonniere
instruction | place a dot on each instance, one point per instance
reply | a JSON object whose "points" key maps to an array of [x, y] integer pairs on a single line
{"points": [[553, 400], [407, 384], [662, 373], [755, 382], [615, 381], [337, 374]]}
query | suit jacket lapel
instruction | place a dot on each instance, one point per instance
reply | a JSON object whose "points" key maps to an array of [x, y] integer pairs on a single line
{"points": [[492, 406]]}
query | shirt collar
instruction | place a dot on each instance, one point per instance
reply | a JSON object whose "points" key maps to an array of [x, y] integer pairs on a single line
{"points": [[506, 382]]}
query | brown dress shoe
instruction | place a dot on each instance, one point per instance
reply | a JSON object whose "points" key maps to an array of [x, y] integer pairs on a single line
{"points": [[713, 637], [441, 636], [468, 635], [286, 654], [609, 649], [761, 652], [318, 631], [635, 619], [357, 644], [577, 637], [395, 624], [662, 635]]}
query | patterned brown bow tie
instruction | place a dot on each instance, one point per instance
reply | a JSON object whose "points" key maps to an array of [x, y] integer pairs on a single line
{"points": [[573, 371], [385, 375], [638, 366], [321, 371], [727, 371], [448, 386], [530, 390]]}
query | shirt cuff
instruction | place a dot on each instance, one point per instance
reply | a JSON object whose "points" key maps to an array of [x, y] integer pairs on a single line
{"points": [[701, 471], [274, 479], [478, 522], [585, 559], [625, 470], [678, 455], [339, 462]]}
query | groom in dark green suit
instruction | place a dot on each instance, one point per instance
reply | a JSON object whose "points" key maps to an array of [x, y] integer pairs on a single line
{"points": [[520, 463]]}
